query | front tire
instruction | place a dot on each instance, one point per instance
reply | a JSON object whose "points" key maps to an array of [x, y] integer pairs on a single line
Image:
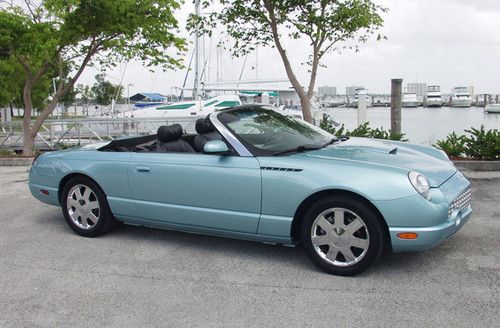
{"points": [[342, 235], [85, 208]]}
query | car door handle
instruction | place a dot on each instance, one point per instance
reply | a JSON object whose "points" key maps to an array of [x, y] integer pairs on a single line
{"points": [[143, 169]]}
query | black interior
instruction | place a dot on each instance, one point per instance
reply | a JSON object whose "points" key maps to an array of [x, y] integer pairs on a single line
{"points": [[206, 132], [169, 139]]}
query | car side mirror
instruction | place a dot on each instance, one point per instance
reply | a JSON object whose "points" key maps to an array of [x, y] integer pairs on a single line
{"points": [[216, 147]]}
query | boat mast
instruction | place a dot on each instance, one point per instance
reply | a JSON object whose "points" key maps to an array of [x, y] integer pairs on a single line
{"points": [[196, 53], [256, 62]]}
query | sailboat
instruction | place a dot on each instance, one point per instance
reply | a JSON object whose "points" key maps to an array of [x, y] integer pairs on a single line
{"points": [[198, 107]]}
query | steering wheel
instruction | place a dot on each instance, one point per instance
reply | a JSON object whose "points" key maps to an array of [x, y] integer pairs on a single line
{"points": [[271, 139]]}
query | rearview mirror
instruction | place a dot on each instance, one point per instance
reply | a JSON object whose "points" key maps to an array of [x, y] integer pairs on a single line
{"points": [[215, 147]]}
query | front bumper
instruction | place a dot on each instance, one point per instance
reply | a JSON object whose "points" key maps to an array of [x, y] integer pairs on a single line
{"points": [[433, 221], [429, 237]]}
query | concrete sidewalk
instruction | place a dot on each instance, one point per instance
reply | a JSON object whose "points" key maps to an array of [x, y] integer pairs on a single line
{"points": [[143, 277]]}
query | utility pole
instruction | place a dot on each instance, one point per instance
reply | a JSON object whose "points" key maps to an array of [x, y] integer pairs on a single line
{"points": [[256, 62], [128, 95], [396, 88], [362, 104]]}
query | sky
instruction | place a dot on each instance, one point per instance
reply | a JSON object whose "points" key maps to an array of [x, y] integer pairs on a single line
{"points": [[445, 42]]}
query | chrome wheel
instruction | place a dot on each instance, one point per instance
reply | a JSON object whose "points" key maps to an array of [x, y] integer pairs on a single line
{"points": [[83, 207], [340, 237]]}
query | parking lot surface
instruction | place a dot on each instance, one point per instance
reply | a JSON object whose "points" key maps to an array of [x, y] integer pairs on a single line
{"points": [[50, 277]]}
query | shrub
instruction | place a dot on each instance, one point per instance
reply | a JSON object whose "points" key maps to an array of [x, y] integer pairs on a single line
{"points": [[482, 144], [6, 152], [364, 130], [63, 146], [453, 145]]}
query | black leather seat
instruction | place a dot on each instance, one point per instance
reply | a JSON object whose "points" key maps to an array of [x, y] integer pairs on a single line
{"points": [[206, 132], [169, 140]]}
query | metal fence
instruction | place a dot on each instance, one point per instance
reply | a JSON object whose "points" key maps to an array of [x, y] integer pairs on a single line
{"points": [[55, 133]]}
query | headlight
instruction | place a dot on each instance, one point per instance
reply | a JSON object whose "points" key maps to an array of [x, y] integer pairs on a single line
{"points": [[420, 183]]}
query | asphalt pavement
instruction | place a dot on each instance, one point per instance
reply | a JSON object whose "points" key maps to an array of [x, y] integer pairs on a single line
{"points": [[136, 277]]}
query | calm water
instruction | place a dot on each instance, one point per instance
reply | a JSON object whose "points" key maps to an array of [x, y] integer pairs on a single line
{"points": [[422, 125]]}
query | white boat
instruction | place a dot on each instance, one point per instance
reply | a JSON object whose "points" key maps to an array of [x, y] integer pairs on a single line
{"points": [[409, 98], [434, 98], [186, 108], [492, 108], [201, 108], [381, 101], [461, 97]]}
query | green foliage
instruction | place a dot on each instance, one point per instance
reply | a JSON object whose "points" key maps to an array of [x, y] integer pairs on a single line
{"points": [[9, 81], [6, 152], [364, 130], [479, 144], [55, 38], [69, 98], [325, 23], [453, 145], [63, 146], [104, 91], [12, 81], [85, 94], [482, 144]]}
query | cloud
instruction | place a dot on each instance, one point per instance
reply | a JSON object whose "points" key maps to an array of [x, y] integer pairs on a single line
{"points": [[445, 42]]}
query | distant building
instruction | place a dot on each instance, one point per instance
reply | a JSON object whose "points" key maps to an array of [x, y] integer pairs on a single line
{"points": [[420, 89], [471, 91], [352, 90], [326, 91]]}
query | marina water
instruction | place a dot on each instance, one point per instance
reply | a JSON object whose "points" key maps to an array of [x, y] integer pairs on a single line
{"points": [[421, 125]]}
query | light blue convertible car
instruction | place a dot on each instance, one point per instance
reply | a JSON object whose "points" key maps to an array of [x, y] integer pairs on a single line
{"points": [[252, 173]]}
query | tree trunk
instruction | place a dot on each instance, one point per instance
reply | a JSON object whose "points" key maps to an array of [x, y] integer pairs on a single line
{"points": [[305, 100], [28, 136], [305, 103], [31, 131], [28, 144]]}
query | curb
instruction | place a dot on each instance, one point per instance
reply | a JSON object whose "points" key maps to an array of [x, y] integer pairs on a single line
{"points": [[478, 165], [16, 161]]}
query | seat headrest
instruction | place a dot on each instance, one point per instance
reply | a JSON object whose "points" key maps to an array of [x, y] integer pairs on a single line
{"points": [[169, 133], [203, 125]]}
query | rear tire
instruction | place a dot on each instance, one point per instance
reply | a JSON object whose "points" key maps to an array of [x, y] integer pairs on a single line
{"points": [[85, 208], [342, 235]]}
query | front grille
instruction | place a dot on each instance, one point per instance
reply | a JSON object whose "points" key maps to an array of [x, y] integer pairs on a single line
{"points": [[461, 202]]}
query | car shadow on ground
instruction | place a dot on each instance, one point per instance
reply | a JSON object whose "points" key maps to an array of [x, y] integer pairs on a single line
{"points": [[390, 263]]}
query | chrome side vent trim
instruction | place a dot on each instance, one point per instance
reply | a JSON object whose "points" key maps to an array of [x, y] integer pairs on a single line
{"points": [[281, 169]]}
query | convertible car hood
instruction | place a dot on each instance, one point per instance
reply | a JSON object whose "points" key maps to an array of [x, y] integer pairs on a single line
{"points": [[434, 166]]}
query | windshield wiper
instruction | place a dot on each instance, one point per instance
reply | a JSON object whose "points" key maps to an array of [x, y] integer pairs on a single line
{"points": [[298, 149], [333, 140]]}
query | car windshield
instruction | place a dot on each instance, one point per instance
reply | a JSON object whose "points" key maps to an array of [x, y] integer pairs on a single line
{"points": [[266, 132]]}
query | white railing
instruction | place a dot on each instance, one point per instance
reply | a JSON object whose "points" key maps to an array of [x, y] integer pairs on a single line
{"points": [[53, 133]]}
